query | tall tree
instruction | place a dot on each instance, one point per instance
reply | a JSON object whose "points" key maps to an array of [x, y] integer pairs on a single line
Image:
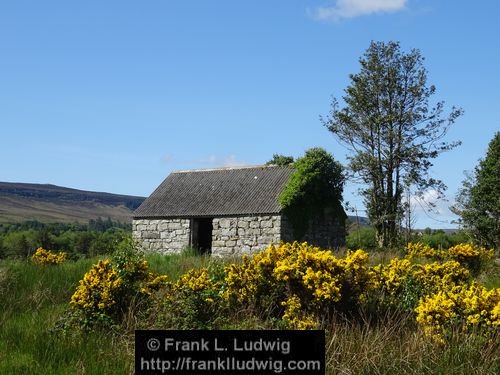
{"points": [[392, 131], [478, 202], [281, 160]]}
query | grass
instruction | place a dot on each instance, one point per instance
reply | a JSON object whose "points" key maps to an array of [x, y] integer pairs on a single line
{"points": [[33, 298], [395, 345]]}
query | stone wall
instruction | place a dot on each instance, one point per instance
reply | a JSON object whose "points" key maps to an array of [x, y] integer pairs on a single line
{"points": [[166, 236], [237, 235], [244, 234], [326, 231]]}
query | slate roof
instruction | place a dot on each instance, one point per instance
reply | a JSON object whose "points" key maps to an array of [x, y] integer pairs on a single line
{"points": [[217, 192]]}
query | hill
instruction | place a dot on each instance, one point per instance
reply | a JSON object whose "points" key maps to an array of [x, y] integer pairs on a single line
{"points": [[51, 203], [362, 220]]}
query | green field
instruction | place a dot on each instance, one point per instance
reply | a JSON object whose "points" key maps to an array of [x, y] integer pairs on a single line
{"points": [[33, 299]]}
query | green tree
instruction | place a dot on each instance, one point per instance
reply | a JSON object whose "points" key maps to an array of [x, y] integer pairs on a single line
{"points": [[281, 160], [317, 183], [18, 244], [478, 202], [392, 132]]}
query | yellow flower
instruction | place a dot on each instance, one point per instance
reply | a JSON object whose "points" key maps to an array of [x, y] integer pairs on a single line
{"points": [[98, 288], [43, 257]]}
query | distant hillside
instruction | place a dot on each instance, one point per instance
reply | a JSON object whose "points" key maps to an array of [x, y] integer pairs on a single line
{"points": [[51, 203], [363, 221]]}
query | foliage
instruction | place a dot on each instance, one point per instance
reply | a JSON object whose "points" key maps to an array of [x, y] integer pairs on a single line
{"points": [[464, 305], [194, 301], [377, 340], [44, 257], [97, 293], [474, 258], [20, 240], [317, 183], [105, 294], [478, 202], [294, 285], [392, 131], [298, 283], [18, 244], [361, 238], [439, 239], [32, 299], [281, 160]]}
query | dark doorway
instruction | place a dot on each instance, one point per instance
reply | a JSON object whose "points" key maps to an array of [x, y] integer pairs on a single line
{"points": [[201, 235]]}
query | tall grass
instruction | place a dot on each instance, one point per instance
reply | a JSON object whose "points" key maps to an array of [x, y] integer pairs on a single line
{"points": [[175, 265], [33, 298], [395, 345]]}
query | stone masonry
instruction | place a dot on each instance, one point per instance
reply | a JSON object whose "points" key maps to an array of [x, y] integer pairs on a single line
{"points": [[244, 234], [235, 235], [166, 236]]}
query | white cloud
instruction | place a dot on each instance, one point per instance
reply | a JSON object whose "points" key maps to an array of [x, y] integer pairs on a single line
{"points": [[231, 161], [168, 159], [432, 210], [355, 8], [228, 161]]}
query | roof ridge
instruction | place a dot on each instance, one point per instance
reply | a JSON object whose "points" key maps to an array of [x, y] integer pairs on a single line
{"points": [[263, 166]]}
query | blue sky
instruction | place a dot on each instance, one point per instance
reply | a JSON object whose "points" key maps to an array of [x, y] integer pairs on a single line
{"points": [[114, 95]]}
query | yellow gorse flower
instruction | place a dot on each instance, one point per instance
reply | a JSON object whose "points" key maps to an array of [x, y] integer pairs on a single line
{"points": [[98, 288], [196, 280], [42, 256], [307, 278], [468, 251], [471, 305], [415, 250]]}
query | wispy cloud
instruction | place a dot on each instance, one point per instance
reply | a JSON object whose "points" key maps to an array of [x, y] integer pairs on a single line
{"points": [[433, 207], [167, 159], [214, 160], [355, 8], [210, 160]]}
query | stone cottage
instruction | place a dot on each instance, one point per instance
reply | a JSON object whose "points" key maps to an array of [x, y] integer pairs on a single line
{"points": [[226, 211]]}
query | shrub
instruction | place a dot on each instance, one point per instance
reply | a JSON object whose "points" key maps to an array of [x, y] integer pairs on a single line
{"points": [[471, 256], [194, 301], [402, 282], [291, 286], [44, 257], [420, 250], [107, 290], [299, 284], [470, 306], [98, 293]]}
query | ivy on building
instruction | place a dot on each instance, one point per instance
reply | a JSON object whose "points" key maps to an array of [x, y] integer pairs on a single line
{"points": [[316, 184]]}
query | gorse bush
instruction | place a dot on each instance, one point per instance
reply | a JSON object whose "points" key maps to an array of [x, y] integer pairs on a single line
{"points": [[469, 306], [97, 294], [104, 295], [296, 286], [472, 257], [194, 301], [299, 283], [44, 257]]}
